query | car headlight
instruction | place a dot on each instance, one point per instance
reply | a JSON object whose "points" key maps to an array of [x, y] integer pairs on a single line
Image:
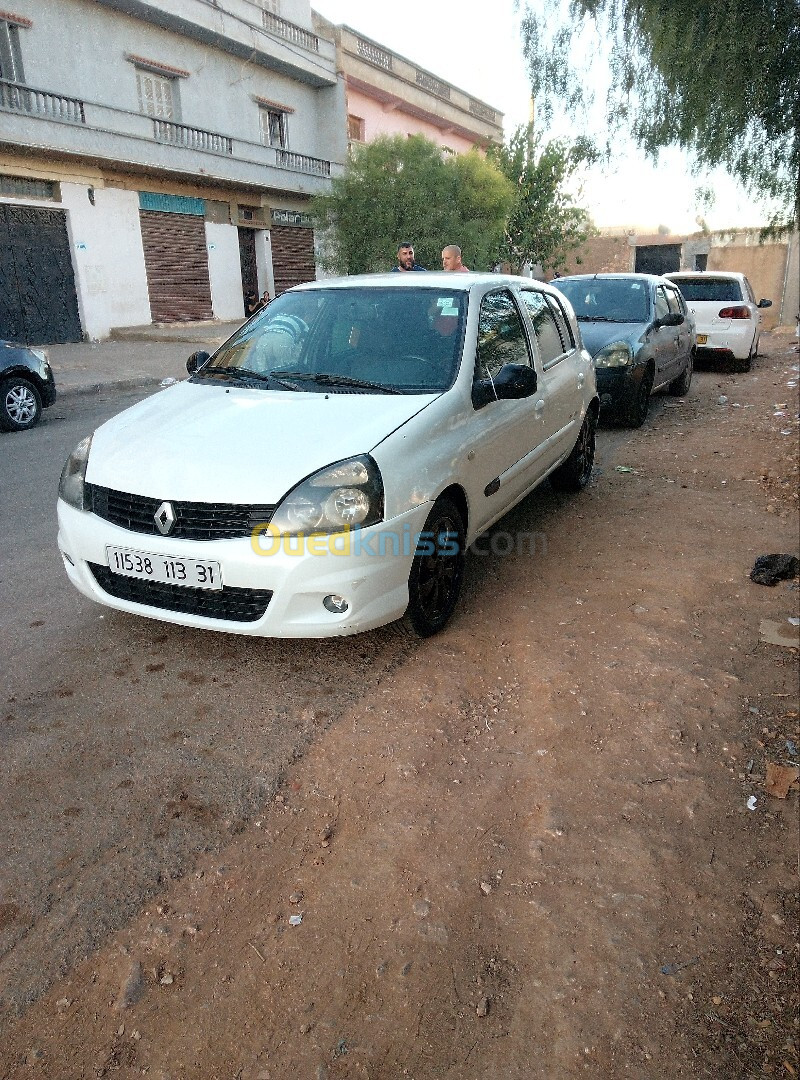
{"points": [[71, 484], [338, 497], [617, 354]]}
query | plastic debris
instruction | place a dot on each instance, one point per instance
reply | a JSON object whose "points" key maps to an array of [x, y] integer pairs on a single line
{"points": [[780, 633], [770, 569], [722, 399], [626, 469], [752, 802], [295, 920], [792, 748], [169, 381], [781, 779]]}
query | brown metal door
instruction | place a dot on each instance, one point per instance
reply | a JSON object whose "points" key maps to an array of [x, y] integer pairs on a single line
{"points": [[38, 303], [176, 262], [292, 256]]}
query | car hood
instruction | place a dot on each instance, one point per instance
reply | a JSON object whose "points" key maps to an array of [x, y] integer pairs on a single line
{"points": [[596, 335], [203, 443]]}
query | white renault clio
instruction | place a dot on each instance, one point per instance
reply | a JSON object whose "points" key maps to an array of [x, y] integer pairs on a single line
{"points": [[325, 470]]}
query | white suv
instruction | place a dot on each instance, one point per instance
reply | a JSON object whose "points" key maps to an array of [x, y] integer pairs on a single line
{"points": [[325, 471], [727, 317]]}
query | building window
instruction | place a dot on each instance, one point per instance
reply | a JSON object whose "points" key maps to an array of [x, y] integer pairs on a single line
{"points": [[355, 128], [273, 128], [157, 95], [10, 55]]}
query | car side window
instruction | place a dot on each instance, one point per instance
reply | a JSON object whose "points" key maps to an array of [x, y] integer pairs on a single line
{"points": [[674, 301], [662, 306], [548, 336], [501, 336], [564, 327]]}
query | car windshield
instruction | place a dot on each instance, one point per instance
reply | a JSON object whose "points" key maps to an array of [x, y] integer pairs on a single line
{"points": [[718, 290], [348, 340], [607, 300]]}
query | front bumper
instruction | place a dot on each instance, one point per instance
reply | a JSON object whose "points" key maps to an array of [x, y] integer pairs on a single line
{"points": [[617, 387], [371, 573]]}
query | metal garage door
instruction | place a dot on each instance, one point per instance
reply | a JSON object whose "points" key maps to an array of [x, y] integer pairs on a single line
{"points": [[176, 262], [38, 304], [292, 256]]}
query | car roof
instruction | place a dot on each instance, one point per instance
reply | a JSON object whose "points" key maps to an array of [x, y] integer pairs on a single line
{"points": [[683, 275], [621, 276], [432, 279]]}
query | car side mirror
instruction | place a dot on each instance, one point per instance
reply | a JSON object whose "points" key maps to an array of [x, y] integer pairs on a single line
{"points": [[513, 381], [196, 360], [765, 303], [672, 318]]}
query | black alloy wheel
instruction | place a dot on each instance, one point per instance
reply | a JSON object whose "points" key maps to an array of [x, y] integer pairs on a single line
{"points": [[638, 408], [437, 571], [575, 473]]}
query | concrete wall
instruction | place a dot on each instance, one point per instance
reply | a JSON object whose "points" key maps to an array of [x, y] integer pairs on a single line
{"points": [[603, 255], [765, 267], [108, 258], [224, 271]]}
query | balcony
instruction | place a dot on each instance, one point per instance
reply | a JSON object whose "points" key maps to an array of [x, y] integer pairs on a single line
{"points": [[37, 119], [274, 24]]}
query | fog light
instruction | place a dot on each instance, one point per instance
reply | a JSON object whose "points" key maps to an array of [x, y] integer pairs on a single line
{"points": [[337, 604]]}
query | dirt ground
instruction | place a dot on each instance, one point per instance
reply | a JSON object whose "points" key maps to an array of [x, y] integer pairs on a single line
{"points": [[543, 846]]}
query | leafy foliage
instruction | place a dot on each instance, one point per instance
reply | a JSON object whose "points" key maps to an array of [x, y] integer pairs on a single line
{"points": [[716, 77], [397, 190], [544, 225]]}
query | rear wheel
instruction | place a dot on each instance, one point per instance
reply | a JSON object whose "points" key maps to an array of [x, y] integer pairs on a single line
{"points": [[437, 572], [637, 410], [576, 471], [747, 363], [680, 386], [20, 404]]}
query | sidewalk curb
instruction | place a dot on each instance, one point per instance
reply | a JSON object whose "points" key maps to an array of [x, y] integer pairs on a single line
{"points": [[65, 393]]}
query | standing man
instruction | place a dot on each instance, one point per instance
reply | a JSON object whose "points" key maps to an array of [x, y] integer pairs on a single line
{"points": [[405, 258], [451, 259]]}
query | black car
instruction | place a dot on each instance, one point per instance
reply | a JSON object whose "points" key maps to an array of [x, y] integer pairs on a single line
{"points": [[26, 386], [640, 334]]}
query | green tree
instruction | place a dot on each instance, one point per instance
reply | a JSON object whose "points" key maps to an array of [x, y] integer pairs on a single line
{"points": [[719, 78], [545, 224], [398, 189]]}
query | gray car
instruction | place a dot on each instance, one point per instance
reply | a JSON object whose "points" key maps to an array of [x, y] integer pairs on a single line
{"points": [[640, 335]]}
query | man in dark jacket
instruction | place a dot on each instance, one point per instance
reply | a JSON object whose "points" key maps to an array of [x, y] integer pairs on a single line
{"points": [[405, 258]]}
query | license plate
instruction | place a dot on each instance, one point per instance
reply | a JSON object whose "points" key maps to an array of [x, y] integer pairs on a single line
{"points": [[193, 573], [702, 339]]}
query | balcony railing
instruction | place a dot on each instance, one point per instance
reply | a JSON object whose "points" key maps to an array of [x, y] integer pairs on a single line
{"points": [[434, 85], [16, 97], [274, 24], [286, 159], [375, 54], [191, 138]]}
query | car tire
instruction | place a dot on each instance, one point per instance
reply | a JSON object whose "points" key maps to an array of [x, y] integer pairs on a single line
{"points": [[680, 386], [575, 473], [434, 583], [636, 413], [20, 404], [742, 366]]}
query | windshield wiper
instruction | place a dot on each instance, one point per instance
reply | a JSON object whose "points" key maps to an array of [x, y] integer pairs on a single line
{"points": [[245, 375], [595, 318], [325, 378]]}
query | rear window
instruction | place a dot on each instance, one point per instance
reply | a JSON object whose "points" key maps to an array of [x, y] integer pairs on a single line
{"points": [[710, 288]]}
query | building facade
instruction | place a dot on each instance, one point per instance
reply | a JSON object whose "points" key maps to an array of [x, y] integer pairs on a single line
{"points": [[157, 159], [389, 95]]}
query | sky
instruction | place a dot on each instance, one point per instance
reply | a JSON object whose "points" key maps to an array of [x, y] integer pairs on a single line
{"points": [[477, 47]]}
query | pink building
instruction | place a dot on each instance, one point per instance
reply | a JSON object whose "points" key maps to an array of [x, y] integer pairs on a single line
{"points": [[389, 95]]}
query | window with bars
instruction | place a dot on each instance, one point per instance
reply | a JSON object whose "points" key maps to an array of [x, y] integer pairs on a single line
{"points": [[157, 94], [273, 127], [10, 54]]}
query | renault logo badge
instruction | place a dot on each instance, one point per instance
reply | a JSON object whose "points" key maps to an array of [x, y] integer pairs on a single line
{"points": [[165, 518]]}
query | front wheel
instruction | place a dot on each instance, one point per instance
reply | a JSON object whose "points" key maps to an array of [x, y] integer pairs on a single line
{"points": [[575, 473], [437, 572], [20, 404], [638, 408]]}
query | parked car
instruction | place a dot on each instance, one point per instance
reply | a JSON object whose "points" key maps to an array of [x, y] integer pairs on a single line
{"points": [[726, 314], [26, 386], [640, 335], [324, 471]]}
